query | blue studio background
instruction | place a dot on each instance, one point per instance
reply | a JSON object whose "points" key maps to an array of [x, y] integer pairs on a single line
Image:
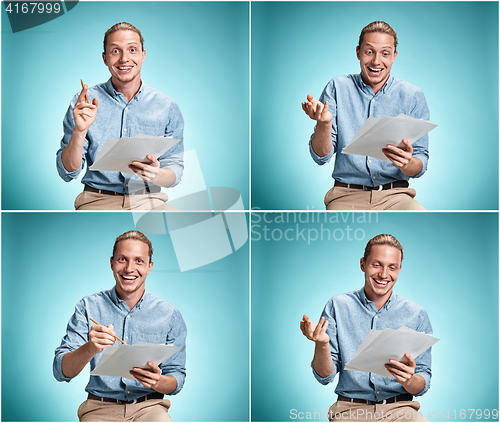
{"points": [[197, 53], [448, 49], [450, 267], [51, 260]]}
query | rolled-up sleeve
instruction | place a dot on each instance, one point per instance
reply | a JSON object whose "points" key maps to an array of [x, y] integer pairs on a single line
{"points": [[424, 360], [176, 365], [68, 125], [174, 158], [328, 94], [421, 146], [331, 330], [76, 335]]}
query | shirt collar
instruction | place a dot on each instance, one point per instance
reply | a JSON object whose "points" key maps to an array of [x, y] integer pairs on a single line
{"points": [[116, 300], [364, 86], [365, 301], [113, 93]]}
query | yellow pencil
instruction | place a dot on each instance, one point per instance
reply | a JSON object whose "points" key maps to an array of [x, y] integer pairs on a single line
{"points": [[102, 325], [87, 100]]}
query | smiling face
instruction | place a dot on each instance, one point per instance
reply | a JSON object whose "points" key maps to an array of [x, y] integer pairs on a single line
{"points": [[381, 270], [124, 57], [376, 55], [130, 265]]}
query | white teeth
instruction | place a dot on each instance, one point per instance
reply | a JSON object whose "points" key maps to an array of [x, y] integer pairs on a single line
{"points": [[129, 278], [124, 68]]}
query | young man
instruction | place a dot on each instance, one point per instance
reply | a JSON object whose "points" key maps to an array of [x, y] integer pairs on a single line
{"points": [[134, 315], [344, 324], [123, 106], [361, 182]]}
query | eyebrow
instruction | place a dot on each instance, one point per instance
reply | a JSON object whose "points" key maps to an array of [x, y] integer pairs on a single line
{"points": [[371, 46]]}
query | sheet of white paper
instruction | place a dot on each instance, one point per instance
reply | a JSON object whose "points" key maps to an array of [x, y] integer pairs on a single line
{"points": [[118, 361], [372, 138], [372, 356], [118, 154]]}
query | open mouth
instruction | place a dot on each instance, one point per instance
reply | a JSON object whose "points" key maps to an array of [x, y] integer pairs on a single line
{"points": [[380, 283], [129, 279], [124, 68], [374, 70]]}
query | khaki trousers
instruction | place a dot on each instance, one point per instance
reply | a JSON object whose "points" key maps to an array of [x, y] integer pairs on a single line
{"points": [[154, 410], [402, 411], [94, 201], [340, 198]]}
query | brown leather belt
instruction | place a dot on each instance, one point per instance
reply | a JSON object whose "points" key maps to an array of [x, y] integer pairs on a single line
{"points": [[402, 397], [147, 190], [155, 395], [390, 185]]}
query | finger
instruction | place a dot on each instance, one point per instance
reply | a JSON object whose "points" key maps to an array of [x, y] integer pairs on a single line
{"points": [[399, 365], [305, 317], [409, 147], [83, 95], [154, 160], [325, 325], [83, 106], [319, 110], [411, 361], [317, 330], [155, 367], [325, 110], [310, 97], [147, 382], [95, 101]]}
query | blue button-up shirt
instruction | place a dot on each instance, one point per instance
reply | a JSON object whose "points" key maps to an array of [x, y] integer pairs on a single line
{"points": [[352, 102], [350, 317], [152, 320], [149, 112]]}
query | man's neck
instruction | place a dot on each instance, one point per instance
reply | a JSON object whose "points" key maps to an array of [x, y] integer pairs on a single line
{"points": [[131, 298], [379, 301], [128, 89]]}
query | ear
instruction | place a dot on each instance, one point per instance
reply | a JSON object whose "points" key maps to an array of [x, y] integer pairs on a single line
{"points": [[111, 262], [143, 55], [357, 52], [150, 267], [395, 55], [104, 58], [362, 264]]}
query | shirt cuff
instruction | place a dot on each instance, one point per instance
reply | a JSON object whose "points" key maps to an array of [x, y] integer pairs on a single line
{"points": [[323, 380], [179, 377], [423, 159], [57, 369], [427, 379], [63, 173], [318, 159]]}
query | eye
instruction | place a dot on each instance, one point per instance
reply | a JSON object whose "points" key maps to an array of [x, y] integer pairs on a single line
{"points": [[133, 50], [114, 51]]}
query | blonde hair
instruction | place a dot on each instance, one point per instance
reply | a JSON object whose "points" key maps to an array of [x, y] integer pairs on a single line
{"points": [[122, 26], [382, 239], [381, 27], [137, 236]]}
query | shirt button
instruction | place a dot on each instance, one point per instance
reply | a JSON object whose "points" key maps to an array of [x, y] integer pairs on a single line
{"points": [[370, 161], [128, 392], [373, 377], [374, 177], [124, 130], [376, 317], [378, 392], [127, 316]]}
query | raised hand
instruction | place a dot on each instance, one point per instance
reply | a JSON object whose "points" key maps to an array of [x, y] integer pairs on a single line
{"points": [[315, 332], [316, 110], [84, 113]]}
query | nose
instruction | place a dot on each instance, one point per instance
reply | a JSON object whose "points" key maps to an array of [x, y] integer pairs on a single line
{"points": [[383, 272], [376, 59], [124, 57], [130, 267]]}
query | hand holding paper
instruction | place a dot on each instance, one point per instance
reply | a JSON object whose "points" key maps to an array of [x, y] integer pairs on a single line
{"points": [[377, 133], [379, 347]]}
